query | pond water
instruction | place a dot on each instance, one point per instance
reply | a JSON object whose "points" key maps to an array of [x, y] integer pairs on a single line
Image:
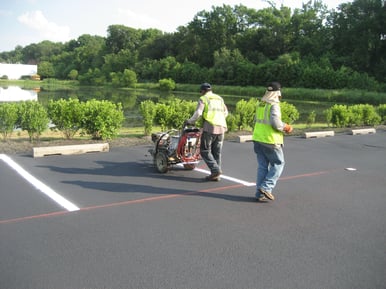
{"points": [[130, 99], [15, 93]]}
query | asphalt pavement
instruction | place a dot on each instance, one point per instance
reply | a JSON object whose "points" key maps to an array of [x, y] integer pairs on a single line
{"points": [[110, 220]]}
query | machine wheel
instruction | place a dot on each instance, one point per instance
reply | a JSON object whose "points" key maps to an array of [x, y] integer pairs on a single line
{"points": [[189, 167], [161, 162]]}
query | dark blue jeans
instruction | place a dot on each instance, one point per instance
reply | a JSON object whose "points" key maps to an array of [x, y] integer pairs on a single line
{"points": [[210, 148]]}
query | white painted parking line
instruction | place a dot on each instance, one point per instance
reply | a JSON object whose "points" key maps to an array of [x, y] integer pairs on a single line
{"points": [[238, 181], [39, 185]]}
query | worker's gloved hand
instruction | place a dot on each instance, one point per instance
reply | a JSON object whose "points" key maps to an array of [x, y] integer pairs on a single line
{"points": [[288, 128]]}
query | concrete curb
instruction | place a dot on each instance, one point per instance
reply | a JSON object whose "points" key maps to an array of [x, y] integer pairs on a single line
{"points": [[244, 138], [70, 149], [318, 134], [363, 131]]}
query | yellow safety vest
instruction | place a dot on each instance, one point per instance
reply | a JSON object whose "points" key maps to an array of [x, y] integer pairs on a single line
{"points": [[214, 109], [263, 131]]}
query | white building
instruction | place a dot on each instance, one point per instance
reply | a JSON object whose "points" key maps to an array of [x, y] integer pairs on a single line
{"points": [[16, 71]]}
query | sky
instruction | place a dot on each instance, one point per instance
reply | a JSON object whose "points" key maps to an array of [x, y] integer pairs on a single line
{"points": [[23, 22]]}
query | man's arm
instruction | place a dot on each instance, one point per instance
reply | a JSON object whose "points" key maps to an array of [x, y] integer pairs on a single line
{"points": [[197, 113], [276, 121]]}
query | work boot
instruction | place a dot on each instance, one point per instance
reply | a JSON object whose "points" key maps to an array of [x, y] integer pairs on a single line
{"points": [[213, 177], [262, 199], [268, 195]]}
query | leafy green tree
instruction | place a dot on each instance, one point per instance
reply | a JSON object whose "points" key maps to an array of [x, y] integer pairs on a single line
{"points": [[14, 56], [366, 52], [120, 37], [272, 38], [73, 74], [211, 31], [43, 51], [189, 72], [310, 35], [88, 53], [115, 78], [118, 62], [157, 45], [259, 45], [92, 77], [129, 78], [46, 69], [230, 67], [8, 118]]}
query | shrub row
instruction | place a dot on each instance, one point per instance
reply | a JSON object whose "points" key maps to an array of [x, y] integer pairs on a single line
{"points": [[172, 114], [100, 119], [337, 115], [355, 115], [168, 114]]}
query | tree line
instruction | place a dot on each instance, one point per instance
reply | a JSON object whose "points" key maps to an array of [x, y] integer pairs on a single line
{"points": [[310, 47]]}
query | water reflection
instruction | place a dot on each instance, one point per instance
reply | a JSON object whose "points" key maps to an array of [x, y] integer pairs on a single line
{"points": [[15, 93]]}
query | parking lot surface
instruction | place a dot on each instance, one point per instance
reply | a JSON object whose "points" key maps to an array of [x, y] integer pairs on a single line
{"points": [[110, 220]]}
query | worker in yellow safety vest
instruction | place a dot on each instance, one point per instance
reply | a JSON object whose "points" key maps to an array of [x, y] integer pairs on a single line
{"points": [[214, 112], [268, 142]]}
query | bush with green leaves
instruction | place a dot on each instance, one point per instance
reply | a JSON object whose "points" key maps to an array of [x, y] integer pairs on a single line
{"points": [[102, 118], [363, 114], [66, 115], [370, 115], [147, 109], [173, 113], [167, 84], [355, 115], [8, 118], [328, 115], [170, 114], [183, 110], [338, 115], [289, 113], [33, 118], [311, 118], [232, 122], [381, 109], [163, 115], [244, 113]]}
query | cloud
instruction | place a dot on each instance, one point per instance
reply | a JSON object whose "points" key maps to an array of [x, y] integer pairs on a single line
{"points": [[49, 30], [137, 20]]}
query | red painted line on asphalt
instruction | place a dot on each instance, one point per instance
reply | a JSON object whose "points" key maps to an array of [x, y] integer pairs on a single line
{"points": [[304, 175], [34, 217], [137, 201], [149, 199], [159, 198]]}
